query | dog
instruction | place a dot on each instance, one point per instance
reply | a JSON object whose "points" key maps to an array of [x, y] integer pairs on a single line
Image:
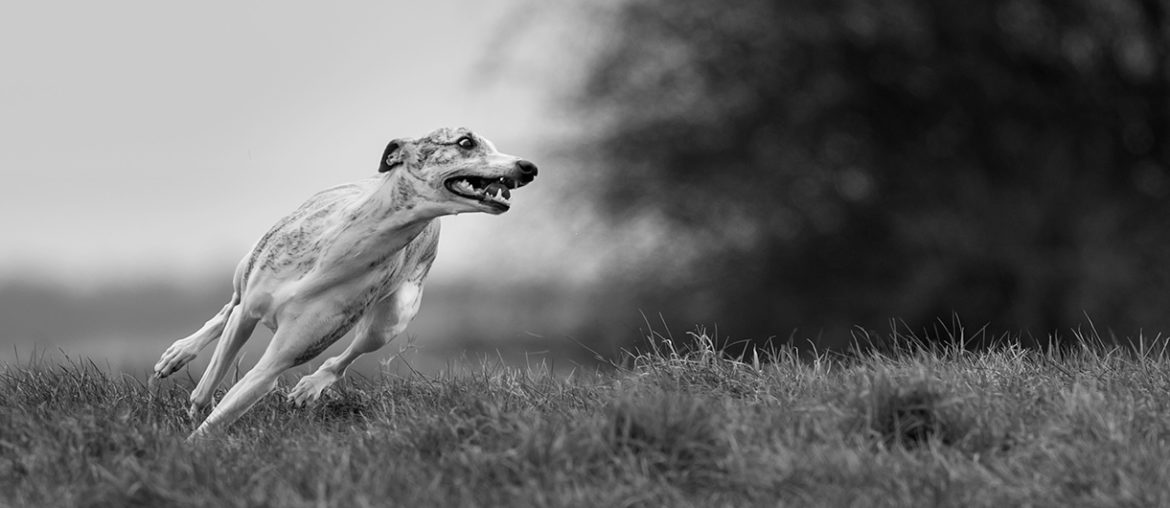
{"points": [[354, 255]]}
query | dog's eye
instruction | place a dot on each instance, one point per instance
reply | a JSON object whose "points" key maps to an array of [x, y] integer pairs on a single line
{"points": [[466, 143]]}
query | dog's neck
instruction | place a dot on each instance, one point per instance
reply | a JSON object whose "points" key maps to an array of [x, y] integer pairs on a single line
{"points": [[386, 217], [397, 205]]}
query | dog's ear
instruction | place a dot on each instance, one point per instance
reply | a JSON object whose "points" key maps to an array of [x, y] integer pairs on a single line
{"points": [[394, 155]]}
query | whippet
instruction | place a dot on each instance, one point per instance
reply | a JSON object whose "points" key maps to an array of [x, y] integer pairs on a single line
{"points": [[352, 255]]}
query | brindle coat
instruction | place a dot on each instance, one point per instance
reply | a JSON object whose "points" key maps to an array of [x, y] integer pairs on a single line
{"points": [[355, 254]]}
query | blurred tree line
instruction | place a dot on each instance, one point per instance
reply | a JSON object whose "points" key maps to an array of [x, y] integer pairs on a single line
{"points": [[818, 164]]}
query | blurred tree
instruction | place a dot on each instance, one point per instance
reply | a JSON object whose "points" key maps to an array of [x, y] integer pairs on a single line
{"points": [[837, 162]]}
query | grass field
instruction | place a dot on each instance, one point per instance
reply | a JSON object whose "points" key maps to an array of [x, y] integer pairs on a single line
{"points": [[1085, 425]]}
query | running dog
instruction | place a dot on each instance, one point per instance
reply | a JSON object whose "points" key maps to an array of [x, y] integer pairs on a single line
{"points": [[352, 255]]}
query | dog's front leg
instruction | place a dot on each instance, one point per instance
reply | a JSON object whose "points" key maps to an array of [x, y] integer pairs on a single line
{"points": [[381, 324]]}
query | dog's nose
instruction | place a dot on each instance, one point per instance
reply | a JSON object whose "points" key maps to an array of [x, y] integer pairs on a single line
{"points": [[527, 170]]}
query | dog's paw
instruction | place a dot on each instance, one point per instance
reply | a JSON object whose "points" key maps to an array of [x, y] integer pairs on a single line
{"points": [[201, 435], [310, 387], [173, 359], [198, 412]]}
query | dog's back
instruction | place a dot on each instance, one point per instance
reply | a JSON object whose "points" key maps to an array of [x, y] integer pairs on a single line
{"points": [[295, 242]]}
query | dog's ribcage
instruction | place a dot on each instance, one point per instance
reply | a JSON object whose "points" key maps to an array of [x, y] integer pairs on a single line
{"points": [[298, 248]]}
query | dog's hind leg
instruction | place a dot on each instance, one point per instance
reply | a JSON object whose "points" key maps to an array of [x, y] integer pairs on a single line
{"points": [[186, 349], [243, 395], [293, 344], [385, 321], [239, 329]]}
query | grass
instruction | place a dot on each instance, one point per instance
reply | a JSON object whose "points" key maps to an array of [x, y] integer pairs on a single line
{"points": [[914, 425]]}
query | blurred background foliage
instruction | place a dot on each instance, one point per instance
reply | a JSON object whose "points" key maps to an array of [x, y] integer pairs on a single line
{"points": [[784, 170], [815, 165]]}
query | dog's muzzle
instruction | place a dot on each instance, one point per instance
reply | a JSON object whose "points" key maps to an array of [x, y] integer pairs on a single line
{"points": [[493, 191]]}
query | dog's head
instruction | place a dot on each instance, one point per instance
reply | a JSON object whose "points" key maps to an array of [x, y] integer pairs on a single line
{"points": [[458, 170]]}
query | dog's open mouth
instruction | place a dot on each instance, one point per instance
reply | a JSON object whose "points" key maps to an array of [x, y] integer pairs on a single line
{"points": [[491, 191]]}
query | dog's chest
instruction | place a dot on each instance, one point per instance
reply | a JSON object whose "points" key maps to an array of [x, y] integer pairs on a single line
{"points": [[384, 277]]}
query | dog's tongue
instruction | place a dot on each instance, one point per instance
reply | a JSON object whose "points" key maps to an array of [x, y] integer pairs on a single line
{"points": [[497, 187]]}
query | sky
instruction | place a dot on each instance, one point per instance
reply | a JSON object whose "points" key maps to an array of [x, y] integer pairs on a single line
{"points": [[148, 139]]}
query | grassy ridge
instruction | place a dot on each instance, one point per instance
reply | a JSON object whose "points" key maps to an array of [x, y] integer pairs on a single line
{"points": [[919, 427]]}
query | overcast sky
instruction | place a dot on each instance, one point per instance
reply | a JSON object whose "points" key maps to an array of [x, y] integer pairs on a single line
{"points": [[148, 138]]}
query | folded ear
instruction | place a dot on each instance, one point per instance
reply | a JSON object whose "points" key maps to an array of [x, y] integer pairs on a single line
{"points": [[393, 155]]}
